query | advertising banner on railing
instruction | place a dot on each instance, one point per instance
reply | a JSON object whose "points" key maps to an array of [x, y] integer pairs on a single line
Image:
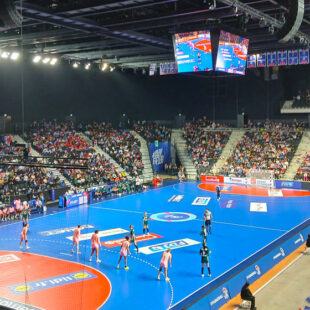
{"points": [[73, 200], [212, 178], [288, 184], [160, 155]]}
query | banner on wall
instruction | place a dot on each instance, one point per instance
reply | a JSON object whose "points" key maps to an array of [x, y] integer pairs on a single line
{"points": [[160, 155], [212, 178]]}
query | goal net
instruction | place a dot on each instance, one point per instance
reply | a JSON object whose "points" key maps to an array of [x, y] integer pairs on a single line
{"points": [[260, 178]]}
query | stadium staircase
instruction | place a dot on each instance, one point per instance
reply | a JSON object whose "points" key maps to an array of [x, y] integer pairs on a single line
{"points": [[33, 152], [235, 136], [303, 147], [148, 173], [99, 150], [179, 143]]}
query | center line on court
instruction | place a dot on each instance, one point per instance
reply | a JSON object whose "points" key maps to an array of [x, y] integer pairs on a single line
{"points": [[121, 210], [249, 226]]}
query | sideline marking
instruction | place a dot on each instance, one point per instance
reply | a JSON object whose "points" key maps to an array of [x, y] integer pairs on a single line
{"points": [[66, 254]]}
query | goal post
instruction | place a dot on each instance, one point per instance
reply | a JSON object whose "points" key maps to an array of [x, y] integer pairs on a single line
{"points": [[260, 178]]}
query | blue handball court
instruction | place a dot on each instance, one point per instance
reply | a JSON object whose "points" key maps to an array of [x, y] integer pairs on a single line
{"points": [[49, 274]]}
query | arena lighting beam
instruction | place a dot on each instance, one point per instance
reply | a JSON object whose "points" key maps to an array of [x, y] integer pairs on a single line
{"points": [[256, 14]]}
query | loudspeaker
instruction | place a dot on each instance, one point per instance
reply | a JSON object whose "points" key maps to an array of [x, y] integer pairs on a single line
{"points": [[9, 16], [294, 18]]}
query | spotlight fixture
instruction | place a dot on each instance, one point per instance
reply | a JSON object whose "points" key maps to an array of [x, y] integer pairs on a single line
{"points": [[103, 66], [112, 69], [53, 61], [14, 56], [5, 55], [87, 66], [46, 60], [36, 58], [75, 64]]}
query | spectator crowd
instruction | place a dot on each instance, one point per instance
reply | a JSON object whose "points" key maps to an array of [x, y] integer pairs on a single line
{"points": [[205, 142], [121, 145], [266, 146], [152, 131], [303, 172], [22, 180], [66, 146]]}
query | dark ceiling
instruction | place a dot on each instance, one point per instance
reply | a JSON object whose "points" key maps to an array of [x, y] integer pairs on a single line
{"points": [[135, 33]]}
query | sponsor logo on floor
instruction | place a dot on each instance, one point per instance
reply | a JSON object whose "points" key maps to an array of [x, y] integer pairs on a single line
{"points": [[258, 207], [275, 193], [161, 247], [139, 238], [201, 201], [15, 305], [173, 217], [102, 233], [176, 198], [224, 295], [62, 230], [281, 253], [228, 204], [9, 258], [226, 188], [38, 285]]}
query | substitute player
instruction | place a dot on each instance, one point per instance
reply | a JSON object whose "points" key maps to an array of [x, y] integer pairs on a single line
{"points": [[124, 250], [23, 236], [207, 218], [76, 239], [145, 223], [164, 264], [95, 245], [205, 252], [204, 234], [133, 237]]}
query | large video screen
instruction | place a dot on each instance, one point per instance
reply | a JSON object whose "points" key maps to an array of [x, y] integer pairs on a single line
{"points": [[232, 53], [193, 51]]}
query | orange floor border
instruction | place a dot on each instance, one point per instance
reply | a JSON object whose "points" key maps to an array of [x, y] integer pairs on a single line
{"points": [[236, 301]]}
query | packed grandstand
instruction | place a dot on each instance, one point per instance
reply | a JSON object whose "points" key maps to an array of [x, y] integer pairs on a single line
{"points": [[114, 157]]}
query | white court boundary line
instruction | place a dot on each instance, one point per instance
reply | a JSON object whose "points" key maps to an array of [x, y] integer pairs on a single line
{"points": [[87, 205]]}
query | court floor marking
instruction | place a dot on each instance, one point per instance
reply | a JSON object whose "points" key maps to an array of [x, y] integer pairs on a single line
{"points": [[88, 205], [22, 251], [89, 247], [226, 223], [248, 226], [120, 210]]}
